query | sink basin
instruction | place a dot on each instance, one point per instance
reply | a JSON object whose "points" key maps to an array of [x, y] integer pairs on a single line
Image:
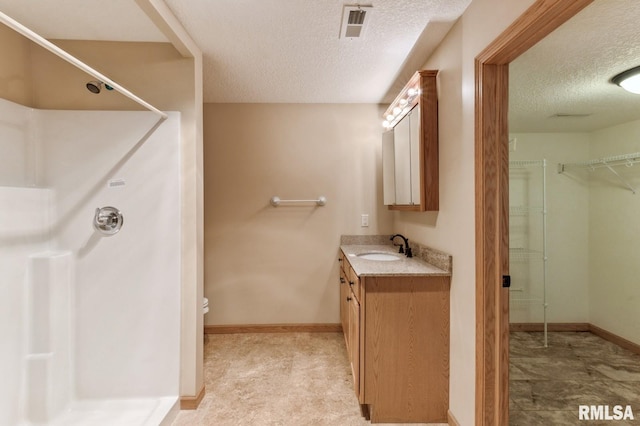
{"points": [[379, 256]]}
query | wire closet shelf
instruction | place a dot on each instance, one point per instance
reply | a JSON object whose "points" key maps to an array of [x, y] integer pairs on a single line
{"points": [[609, 163], [529, 254]]}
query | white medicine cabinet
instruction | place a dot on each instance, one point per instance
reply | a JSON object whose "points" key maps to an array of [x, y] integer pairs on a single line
{"points": [[410, 147]]}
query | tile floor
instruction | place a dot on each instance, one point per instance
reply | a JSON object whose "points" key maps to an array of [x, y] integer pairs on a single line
{"points": [[305, 379], [276, 379], [548, 384]]}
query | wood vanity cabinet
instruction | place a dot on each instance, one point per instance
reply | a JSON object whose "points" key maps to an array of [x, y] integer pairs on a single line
{"points": [[397, 334]]}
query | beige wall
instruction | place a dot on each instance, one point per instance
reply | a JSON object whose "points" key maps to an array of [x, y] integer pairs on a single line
{"points": [[266, 265], [156, 72], [32, 76], [567, 229], [452, 229], [15, 67], [614, 231]]}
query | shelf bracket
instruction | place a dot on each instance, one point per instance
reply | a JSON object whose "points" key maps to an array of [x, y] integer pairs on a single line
{"points": [[623, 180]]}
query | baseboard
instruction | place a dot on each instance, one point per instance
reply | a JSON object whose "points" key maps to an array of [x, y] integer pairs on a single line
{"points": [[613, 338], [579, 326], [451, 419], [192, 402], [557, 326], [272, 328]]}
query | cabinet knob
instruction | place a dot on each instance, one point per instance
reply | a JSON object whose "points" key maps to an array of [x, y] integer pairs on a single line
{"points": [[348, 299], [342, 281], [351, 283]]}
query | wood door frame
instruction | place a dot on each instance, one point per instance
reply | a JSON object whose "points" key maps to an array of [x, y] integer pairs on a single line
{"points": [[492, 200]]}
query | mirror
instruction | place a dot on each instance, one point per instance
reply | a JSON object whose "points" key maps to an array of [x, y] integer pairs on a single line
{"points": [[403, 174], [410, 147]]}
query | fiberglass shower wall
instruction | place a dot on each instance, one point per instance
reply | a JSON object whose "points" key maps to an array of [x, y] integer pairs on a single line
{"points": [[84, 316]]}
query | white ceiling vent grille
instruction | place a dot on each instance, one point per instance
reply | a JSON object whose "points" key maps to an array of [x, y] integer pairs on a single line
{"points": [[354, 21]]}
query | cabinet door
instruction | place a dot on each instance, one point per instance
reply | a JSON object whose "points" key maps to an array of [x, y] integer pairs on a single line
{"points": [[388, 169], [345, 291], [415, 141], [415, 161], [354, 342], [354, 283], [402, 161]]}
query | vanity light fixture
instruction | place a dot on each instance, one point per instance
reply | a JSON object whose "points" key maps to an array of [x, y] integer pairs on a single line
{"points": [[629, 80], [405, 101]]}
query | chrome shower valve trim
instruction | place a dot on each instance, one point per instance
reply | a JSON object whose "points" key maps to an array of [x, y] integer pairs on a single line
{"points": [[108, 220]]}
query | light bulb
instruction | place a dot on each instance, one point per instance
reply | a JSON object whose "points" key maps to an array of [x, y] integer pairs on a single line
{"points": [[403, 102], [390, 117], [631, 84], [386, 124], [397, 110], [412, 92]]}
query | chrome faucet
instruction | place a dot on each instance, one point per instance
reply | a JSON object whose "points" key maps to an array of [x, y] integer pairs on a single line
{"points": [[406, 249]]}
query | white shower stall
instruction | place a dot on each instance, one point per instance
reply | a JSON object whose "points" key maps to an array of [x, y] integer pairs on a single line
{"points": [[89, 323]]}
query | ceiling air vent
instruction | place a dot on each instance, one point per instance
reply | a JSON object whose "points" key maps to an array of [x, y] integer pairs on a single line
{"points": [[354, 21]]}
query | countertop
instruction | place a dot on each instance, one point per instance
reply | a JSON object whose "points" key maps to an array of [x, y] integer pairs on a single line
{"points": [[404, 266]]}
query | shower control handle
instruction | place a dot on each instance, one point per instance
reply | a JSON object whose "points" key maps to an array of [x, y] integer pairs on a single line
{"points": [[108, 220]]}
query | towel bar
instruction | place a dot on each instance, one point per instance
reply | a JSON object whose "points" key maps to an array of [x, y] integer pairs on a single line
{"points": [[320, 201]]}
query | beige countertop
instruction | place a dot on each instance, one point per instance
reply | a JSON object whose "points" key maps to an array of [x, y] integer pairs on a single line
{"points": [[403, 266]]}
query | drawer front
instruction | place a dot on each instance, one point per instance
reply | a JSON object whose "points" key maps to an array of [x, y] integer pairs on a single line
{"points": [[349, 274]]}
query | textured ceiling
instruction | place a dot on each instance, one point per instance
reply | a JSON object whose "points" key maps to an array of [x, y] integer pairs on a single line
{"points": [[269, 50], [569, 71], [116, 20], [289, 50]]}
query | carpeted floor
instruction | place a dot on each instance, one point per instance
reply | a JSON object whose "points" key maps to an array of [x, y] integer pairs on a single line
{"points": [[276, 379], [547, 385]]}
